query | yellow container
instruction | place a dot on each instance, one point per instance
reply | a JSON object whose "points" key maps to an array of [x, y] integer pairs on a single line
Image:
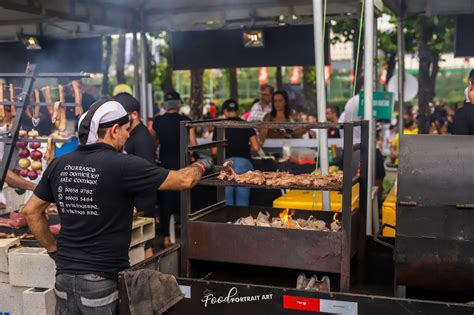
{"points": [[389, 212], [312, 200]]}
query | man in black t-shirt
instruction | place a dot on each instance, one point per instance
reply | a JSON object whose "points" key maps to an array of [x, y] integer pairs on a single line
{"points": [[240, 142], [140, 143], [166, 132], [94, 189]]}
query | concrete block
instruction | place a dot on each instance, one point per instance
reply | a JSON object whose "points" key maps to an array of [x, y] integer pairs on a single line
{"points": [[39, 301], [4, 277], [11, 299], [137, 235], [32, 267], [136, 254], [148, 229], [6, 244]]}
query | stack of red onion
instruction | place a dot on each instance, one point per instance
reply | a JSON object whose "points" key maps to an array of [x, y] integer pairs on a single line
{"points": [[30, 157]]}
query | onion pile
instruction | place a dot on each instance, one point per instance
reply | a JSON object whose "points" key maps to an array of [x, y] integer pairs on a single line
{"points": [[30, 157]]}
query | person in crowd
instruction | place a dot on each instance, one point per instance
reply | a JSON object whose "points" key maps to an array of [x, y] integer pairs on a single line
{"points": [[439, 121], [140, 143], [332, 116], [464, 116], [240, 143], [280, 112], [351, 109], [450, 111], [264, 105], [94, 240], [410, 127], [166, 130]]}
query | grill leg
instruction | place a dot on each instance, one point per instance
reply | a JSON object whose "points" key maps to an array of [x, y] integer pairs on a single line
{"points": [[345, 266]]}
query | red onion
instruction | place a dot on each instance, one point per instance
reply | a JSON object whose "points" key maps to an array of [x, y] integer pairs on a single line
{"points": [[36, 155], [24, 153], [21, 144], [35, 145], [32, 175], [24, 172]]}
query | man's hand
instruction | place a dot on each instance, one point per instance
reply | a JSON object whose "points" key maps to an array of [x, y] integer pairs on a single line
{"points": [[207, 164]]}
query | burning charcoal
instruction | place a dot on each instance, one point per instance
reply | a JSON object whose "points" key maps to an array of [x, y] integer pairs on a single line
{"points": [[301, 281], [311, 283], [318, 225], [276, 222], [263, 224], [335, 226], [323, 285], [248, 221], [239, 221], [263, 217], [303, 223]]}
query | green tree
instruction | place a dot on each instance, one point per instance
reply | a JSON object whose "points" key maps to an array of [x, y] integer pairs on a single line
{"points": [[434, 36]]}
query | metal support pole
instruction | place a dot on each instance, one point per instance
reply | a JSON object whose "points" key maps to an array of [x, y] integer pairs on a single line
{"points": [[321, 93], [401, 71], [136, 75], [149, 98], [368, 93], [185, 197], [143, 81]]}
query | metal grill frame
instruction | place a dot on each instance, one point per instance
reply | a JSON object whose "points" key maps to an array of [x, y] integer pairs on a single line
{"points": [[349, 241]]}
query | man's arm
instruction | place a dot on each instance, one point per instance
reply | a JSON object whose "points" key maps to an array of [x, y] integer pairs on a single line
{"points": [[188, 177], [34, 213], [16, 181], [254, 145]]}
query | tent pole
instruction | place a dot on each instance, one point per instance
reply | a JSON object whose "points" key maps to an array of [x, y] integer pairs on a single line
{"points": [[401, 68], [321, 92], [136, 74], [368, 94], [143, 81]]}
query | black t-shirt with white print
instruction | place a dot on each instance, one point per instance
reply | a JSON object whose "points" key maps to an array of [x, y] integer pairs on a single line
{"points": [[94, 188]]}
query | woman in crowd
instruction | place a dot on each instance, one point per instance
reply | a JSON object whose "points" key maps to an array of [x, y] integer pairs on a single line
{"points": [[280, 113]]}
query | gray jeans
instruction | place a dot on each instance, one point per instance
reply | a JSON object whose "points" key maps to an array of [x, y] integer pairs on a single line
{"points": [[85, 294]]}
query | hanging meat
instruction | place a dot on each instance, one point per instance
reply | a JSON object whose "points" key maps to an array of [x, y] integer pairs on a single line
{"points": [[76, 86], [58, 116]]}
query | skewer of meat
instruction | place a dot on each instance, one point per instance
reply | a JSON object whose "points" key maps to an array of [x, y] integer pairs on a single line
{"points": [[12, 100], [77, 97], [2, 107]]}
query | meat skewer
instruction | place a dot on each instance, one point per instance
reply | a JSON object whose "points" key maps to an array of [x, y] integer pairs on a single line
{"points": [[2, 107], [58, 117], [281, 179], [77, 97], [36, 113], [12, 99]]}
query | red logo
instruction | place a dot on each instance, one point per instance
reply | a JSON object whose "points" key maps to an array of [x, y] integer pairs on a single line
{"points": [[301, 303]]}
